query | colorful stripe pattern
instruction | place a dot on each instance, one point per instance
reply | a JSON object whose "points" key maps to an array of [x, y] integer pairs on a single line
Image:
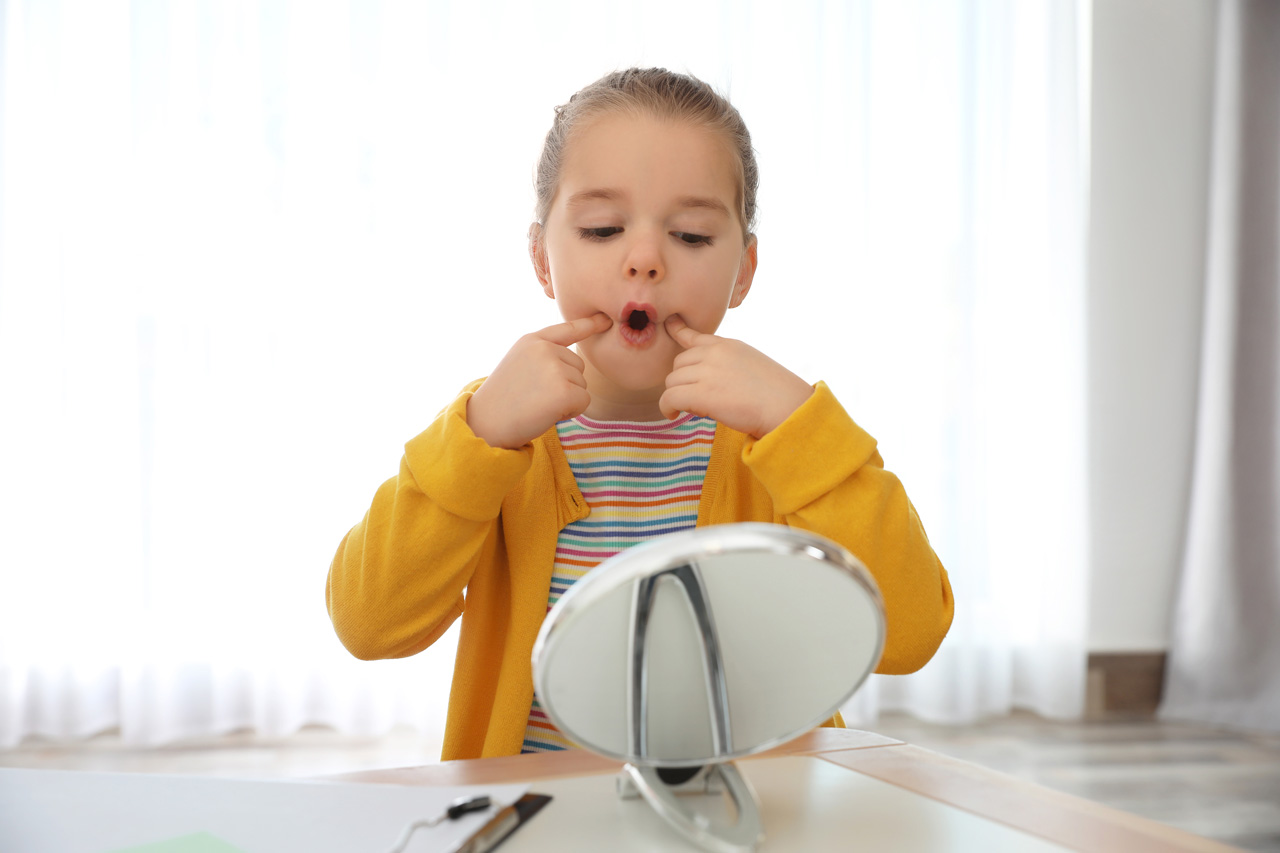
{"points": [[641, 479]]}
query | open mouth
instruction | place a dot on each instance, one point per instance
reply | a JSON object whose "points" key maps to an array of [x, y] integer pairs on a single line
{"points": [[639, 324]]}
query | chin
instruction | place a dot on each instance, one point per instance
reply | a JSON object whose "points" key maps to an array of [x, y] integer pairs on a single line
{"points": [[631, 373], [635, 379]]}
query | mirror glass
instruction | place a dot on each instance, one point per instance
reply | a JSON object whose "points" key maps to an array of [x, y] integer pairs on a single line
{"points": [[766, 628]]}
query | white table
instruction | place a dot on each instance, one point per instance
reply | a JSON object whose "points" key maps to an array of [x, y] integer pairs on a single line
{"points": [[832, 789]]}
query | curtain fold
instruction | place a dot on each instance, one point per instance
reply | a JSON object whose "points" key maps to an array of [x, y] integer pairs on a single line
{"points": [[251, 248], [1224, 658]]}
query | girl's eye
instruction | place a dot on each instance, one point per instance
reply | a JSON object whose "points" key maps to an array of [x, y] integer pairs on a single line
{"points": [[598, 233], [692, 239]]}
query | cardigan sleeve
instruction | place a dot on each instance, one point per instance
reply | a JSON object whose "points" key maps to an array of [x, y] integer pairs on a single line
{"points": [[824, 474], [397, 580]]}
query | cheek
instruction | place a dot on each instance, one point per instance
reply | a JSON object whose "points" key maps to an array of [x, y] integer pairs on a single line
{"points": [[574, 303], [705, 319], [706, 306], [575, 289]]}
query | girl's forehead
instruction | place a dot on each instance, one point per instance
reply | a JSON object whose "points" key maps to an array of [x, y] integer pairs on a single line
{"points": [[629, 146]]}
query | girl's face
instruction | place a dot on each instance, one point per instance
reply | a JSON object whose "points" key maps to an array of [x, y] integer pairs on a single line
{"points": [[643, 226]]}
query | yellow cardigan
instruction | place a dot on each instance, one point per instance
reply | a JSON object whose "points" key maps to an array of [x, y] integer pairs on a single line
{"points": [[469, 530]]}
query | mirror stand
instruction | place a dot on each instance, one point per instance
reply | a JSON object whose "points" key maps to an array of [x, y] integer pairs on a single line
{"points": [[701, 781], [742, 836], [745, 832]]}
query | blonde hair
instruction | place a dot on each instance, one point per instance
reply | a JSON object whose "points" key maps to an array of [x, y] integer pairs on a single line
{"points": [[660, 93]]}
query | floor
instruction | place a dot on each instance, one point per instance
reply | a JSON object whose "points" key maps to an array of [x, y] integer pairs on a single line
{"points": [[1219, 784]]}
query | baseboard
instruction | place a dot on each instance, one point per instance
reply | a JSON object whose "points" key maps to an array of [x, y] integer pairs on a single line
{"points": [[1124, 684]]}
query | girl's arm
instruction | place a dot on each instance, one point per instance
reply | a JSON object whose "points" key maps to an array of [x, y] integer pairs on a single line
{"points": [[397, 581], [824, 474]]}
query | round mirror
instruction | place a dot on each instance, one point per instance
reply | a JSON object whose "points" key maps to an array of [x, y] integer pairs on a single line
{"points": [[708, 645]]}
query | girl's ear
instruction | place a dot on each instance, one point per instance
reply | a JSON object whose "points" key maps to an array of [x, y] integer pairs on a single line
{"points": [[746, 273], [538, 254]]}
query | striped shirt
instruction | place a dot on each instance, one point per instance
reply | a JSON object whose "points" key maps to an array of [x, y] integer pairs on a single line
{"points": [[641, 479]]}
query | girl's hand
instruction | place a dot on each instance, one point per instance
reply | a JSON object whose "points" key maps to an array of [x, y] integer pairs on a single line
{"points": [[538, 382], [725, 379]]}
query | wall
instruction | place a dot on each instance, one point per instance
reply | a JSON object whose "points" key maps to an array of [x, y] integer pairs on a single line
{"points": [[1151, 96]]}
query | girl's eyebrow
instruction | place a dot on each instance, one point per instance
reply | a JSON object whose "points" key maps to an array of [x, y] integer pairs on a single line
{"points": [[585, 196], [693, 201], [704, 202]]}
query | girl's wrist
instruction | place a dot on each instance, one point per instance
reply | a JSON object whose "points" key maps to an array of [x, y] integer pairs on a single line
{"points": [[480, 426], [786, 404]]}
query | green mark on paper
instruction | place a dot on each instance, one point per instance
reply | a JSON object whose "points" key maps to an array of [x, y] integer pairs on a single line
{"points": [[201, 842]]}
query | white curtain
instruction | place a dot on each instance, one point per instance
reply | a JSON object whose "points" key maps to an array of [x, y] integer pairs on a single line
{"points": [[249, 249], [1224, 658]]}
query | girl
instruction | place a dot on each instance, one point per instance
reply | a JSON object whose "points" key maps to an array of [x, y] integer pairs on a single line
{"points": [[628, 420]]}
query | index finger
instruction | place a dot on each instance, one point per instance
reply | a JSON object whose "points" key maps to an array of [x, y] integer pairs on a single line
{"points": [[572, 331], [680, 331]]}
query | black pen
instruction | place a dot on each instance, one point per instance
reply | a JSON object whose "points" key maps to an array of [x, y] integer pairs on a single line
{"points": [[488, 836]]}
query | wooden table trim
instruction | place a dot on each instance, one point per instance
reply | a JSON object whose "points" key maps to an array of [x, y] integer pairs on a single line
{"points": [[559, 765], [1064, 819]]}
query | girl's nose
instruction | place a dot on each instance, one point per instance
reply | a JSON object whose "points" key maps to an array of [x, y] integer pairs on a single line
{"points": [[644, 261]]}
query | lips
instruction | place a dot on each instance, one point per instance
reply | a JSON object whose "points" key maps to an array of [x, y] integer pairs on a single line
{"points": [[638, 323]]}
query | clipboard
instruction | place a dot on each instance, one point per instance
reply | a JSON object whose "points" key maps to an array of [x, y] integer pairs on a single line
{"points": [[130, 811]]}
